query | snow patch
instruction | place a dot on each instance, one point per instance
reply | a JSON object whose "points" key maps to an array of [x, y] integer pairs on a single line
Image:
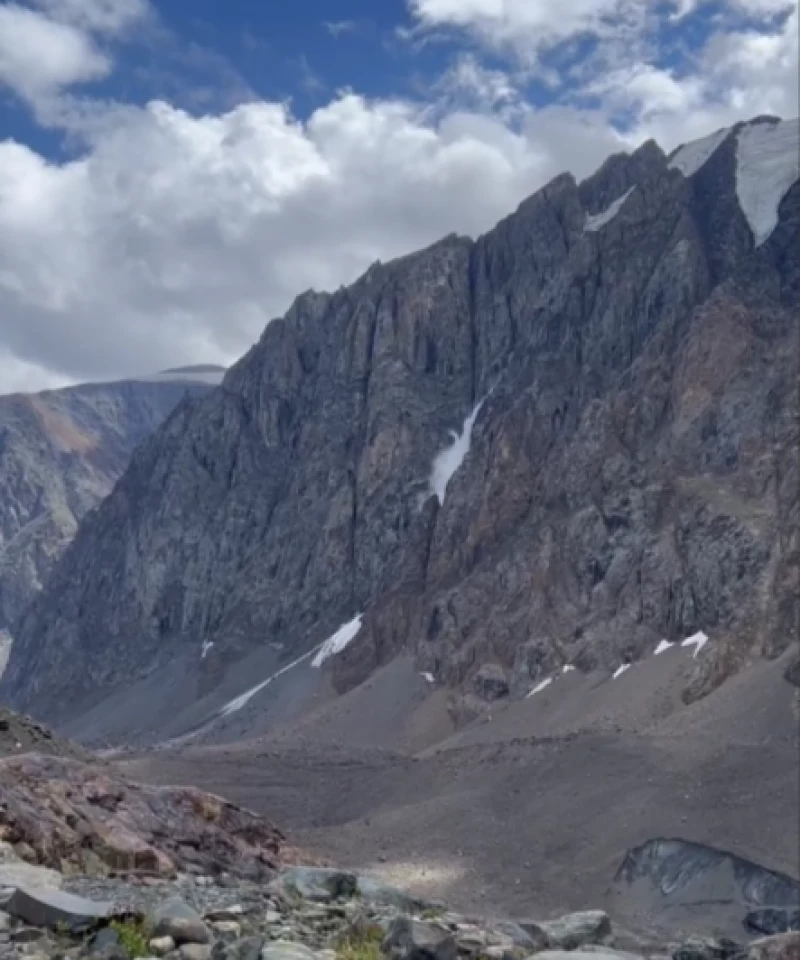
{"points": [[207, 646], [766, 166], [697, 640], [594, 222], [567, 668], [662, 647], [691, 156], [5, 650], [333, 645], [449, 460], [336, 643], [429, 677], [243, 699], [539, 687], [620, 670]]}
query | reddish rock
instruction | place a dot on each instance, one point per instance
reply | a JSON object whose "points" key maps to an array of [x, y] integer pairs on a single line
{"points": [[76, 816]]}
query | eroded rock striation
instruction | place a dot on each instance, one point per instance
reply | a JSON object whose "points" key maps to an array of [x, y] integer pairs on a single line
{"points": [[615, 387], [61, 452]]}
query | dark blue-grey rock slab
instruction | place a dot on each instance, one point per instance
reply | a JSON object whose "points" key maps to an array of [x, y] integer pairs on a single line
{"points": [[56, 909], [178, 920]]}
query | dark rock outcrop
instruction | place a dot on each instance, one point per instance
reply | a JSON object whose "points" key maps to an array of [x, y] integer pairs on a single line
{"points": [[628, 398]]}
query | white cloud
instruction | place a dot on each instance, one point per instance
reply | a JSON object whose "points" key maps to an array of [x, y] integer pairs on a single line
{"points": [[54, 44], [174, 238], [530, 26], [39, 55]]}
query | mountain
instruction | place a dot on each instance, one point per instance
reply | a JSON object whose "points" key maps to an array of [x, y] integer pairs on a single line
{"points": [[61, 452], [560, 444]]}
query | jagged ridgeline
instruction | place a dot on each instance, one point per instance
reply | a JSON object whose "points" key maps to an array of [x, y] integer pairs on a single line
{"points": [[578, 431]]}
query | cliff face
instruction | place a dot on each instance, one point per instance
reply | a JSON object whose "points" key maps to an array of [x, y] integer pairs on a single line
{"points": [[618, 362], [60, 454]]}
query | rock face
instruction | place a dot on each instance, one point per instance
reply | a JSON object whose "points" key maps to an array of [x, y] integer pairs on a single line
{"points": [[77, 817], [61, 452], [579, 430]]}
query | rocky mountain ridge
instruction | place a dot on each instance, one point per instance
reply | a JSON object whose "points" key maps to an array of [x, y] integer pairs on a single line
{"points": [[557, 445], [61, 451]]}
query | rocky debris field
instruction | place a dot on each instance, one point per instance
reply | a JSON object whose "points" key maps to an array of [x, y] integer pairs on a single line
{"points": [[305, 913], [74, 817], [20, 734]]}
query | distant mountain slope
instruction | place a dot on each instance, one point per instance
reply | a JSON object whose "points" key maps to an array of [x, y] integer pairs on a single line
{"points": [[562, 443], [61, 452]]}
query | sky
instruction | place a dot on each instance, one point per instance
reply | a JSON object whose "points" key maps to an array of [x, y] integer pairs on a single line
{"points": [[174, 172]]}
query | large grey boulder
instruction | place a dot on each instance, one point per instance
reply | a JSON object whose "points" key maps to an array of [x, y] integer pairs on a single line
{"points": [[56, 909], [409, 939], [317, 883], [178, 920], [576, 930]]}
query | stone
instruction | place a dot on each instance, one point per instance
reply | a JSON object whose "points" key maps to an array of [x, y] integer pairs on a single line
{"points": [[706, 948], [286, 950], [227, 928], [318, 883], [56, 909], [105, 941], [27, 875], [576, 930], [178, 920], [5, 922], [593, 952], [27, 935], [783, 946], [530, 937], [195, 951], [161, 946], [249, 948], [409, 939], [772, 920], [222, 914]]}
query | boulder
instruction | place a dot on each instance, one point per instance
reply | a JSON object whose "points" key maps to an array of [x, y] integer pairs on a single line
{"points": [[706, 948], [195, 951], [286, 950], [247, 949], [576, 930], [491, 682], [19, 874], [783, 946], [530, 937], [593, 952], [161, 946], [56, 909], [317, 883], [178, 920], [408, 939]]}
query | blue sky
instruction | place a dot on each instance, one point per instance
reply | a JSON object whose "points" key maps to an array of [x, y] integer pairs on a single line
{"points": [[172, 173]]}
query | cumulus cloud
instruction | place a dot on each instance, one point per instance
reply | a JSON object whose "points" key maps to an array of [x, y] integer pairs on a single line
{"points": [[174, 238]]}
